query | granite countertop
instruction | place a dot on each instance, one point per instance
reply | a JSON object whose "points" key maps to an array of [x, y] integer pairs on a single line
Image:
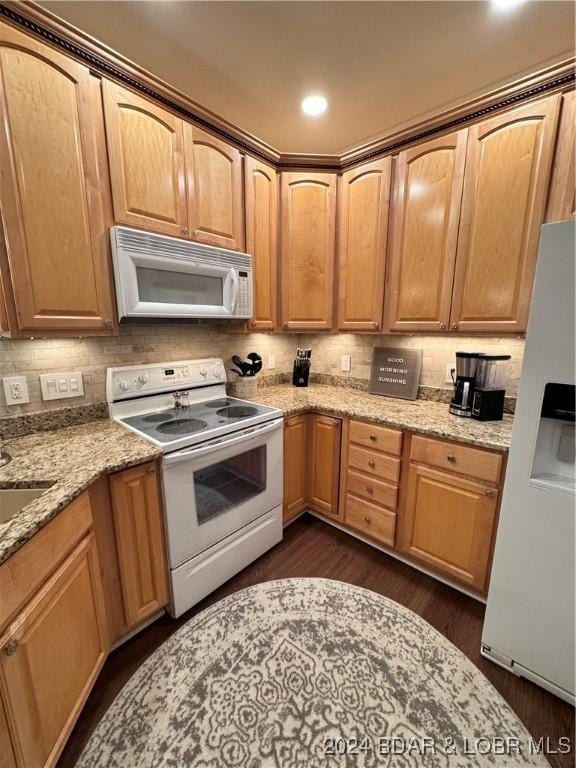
{"points": [[65, 461], [424, 416]]}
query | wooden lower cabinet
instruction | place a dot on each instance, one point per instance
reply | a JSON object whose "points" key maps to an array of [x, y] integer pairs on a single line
{"points": [[51, 654], [324, 464], [138, 522], [7, 756], [295, 447], [448, 522]]}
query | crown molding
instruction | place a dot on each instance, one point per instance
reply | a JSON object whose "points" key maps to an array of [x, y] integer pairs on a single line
{"points": [[104, 62]]}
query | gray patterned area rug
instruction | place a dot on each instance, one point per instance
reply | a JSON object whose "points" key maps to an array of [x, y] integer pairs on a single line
{"points": [[308, 673]]}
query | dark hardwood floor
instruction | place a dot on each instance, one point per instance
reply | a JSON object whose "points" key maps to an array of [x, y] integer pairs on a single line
{"points": [[313, 548]]}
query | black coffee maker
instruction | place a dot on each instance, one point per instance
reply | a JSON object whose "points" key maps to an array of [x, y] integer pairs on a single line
{"points": [[463, 396]]}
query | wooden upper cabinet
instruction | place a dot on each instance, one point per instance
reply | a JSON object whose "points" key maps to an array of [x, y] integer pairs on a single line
{"points": [[53, 192], [562, 198], [363, 224], [505, 189], [261, 196], [424, 230], [215, 203], [308, 238], [146, 155]]}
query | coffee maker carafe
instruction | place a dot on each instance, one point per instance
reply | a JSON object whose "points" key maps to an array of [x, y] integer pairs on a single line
{"points": [[463, 395]]}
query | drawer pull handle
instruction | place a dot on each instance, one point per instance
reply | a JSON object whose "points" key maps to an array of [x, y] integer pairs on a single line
{"points": [[451, 458], [371, 464], [11, 647], [489, 492], [373, 437], [370, 489], [367, 520]]}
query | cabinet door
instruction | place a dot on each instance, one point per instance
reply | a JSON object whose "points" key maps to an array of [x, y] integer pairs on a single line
{"points": [[7, 756], [52, 190], [307, 250], [51, 655], [448, 523], [562, 196], [424, 232], [215, 204], [262, 240], [363, 226], [146, 154], [295, 448], [324, 466], [139, 529], [505, 188]]}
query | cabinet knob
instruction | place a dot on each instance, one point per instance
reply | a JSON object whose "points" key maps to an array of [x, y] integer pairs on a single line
{"points": [[369, 489], [11, 647], [108, 323], [284, 325], [367, 520], [451, 458], [184, 230], [371, 464], [489, 492], [375, 324], [454, 326], [442, 326], [151, 471], [373, 437]]}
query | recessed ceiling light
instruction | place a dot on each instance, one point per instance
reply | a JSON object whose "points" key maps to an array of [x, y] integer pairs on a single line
{"points": [[314, 106], [505, 5]]}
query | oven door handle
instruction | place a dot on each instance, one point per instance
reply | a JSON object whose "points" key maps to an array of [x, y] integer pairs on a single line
{"points": [[203, 450]]}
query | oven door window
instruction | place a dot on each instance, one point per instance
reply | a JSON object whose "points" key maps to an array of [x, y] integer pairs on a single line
{"points": [[229, 483], [162, 286]]}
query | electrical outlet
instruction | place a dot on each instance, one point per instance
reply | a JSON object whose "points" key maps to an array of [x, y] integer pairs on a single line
{"points": [[346, 363], [450, 369], [16, 390], [56, 386], [271, 362]]}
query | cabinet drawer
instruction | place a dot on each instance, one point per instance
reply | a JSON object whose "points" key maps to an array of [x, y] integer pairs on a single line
{"points": [[370, 519], [371, 489], [378, 438], [27, 569], [457, 458], [374, 463]]}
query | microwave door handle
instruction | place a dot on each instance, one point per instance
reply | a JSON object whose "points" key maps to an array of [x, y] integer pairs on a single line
{"points": [[234, 291], [204, 450]]}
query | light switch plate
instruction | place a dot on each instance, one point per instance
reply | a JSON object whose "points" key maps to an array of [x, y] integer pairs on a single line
{"points": [[346, 363], [57, 386], [16, 390], [448, 378]]}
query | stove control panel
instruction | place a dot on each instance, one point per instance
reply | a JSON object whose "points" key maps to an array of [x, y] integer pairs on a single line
{"points": [[136, 380]]}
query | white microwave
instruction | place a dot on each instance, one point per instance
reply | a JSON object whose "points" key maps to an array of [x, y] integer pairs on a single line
{"points": [[164, 277]]}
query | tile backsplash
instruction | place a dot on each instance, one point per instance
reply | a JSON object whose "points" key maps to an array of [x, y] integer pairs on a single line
{"points": [[155, 343]]}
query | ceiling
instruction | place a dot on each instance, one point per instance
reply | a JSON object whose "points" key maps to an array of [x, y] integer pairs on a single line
{"points": [[381, 65]]}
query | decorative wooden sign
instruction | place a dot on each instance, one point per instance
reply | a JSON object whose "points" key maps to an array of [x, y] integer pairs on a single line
{"points": [[396, 372]]}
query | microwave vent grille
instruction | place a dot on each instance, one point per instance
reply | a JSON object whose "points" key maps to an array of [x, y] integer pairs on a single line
{"points": [[148, 244]]}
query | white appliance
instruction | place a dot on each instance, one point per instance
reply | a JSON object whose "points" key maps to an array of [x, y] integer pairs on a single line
{"points": [[222, 468], [164, 277], [529, 623]]}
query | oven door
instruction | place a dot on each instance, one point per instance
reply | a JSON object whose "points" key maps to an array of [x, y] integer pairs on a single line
{"points": [[163, 286], [214, 489]]}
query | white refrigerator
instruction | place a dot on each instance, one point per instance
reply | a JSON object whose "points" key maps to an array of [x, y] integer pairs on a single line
{"points": [[530, 613]]}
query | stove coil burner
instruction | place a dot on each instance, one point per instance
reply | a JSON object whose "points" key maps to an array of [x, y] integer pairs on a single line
{"points": [[220, 403], [237, 411], [157, 417], [182, 426]]}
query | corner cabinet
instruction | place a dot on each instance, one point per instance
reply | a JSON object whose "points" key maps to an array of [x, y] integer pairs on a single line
{"points": [[146, 155], [295, 462], [54, 262], [323, 481], [308, 240], [215, 203], [261, 198], [424, 234], [140, 541], [364, 196], [507, 172]]}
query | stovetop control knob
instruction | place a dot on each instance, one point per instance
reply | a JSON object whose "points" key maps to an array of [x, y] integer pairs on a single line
{"points": [[143, 378], [203, 371], [124, 385]]}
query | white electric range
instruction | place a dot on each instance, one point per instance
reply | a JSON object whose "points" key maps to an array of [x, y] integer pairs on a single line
{"points": [[222, 468]]}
